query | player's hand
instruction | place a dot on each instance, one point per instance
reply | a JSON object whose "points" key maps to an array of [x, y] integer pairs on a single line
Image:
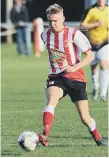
{"points": [[69, 68], [100, 23]]}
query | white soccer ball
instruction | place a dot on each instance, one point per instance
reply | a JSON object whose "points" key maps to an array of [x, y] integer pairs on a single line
{"points": [[28, 140]]}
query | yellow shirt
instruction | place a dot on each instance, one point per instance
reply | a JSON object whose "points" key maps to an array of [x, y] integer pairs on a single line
{"points": [[98, 34]]}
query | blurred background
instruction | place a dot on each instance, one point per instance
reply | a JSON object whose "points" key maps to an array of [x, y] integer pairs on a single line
{"points": [[73, 11]]}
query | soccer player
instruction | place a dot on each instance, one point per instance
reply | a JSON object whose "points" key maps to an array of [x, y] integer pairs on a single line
{"points": [[95, 20], [66, 75]]}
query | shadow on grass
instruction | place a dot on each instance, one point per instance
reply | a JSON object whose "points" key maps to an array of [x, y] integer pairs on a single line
{"points": [[21, 100], [69, 145], [59, 145], [70, 137], [74, 137], [9, 153]]}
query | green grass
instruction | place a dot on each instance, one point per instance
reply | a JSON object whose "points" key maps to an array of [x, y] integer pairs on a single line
{"points": [[23, 100]]}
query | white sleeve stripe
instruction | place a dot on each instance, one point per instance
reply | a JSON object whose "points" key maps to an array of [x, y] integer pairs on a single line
{"points": [[81, 41]]}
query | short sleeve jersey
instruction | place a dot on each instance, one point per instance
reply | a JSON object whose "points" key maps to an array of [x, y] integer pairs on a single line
{"points": [[99, 34], [64, 48]]}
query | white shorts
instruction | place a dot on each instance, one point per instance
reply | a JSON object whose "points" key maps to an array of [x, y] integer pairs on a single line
{"points": [[101, 54]]}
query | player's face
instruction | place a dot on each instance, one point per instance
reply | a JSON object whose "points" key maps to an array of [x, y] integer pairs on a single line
{"points": [[56, 21], [101, 2]]}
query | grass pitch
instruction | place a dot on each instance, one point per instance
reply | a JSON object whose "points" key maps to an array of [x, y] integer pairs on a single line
{"points": [[23, 100]]}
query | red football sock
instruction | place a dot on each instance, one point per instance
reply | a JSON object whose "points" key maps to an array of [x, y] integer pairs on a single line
{"points": [[48, 118], [96, 135]]}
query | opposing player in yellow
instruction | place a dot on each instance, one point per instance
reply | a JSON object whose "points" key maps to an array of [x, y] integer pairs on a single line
{"points": [[95, 20]]}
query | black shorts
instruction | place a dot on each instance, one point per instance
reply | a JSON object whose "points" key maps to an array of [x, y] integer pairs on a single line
{"points": [[75, 89]]}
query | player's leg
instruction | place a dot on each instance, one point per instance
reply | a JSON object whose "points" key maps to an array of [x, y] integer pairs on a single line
{"points": [[95, 80], [77, 93], [83, 110], [104, 78], [103, 56], [53, 94], [95, 76]]}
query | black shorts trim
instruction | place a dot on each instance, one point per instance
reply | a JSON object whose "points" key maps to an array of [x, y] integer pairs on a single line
{"points": [[99, 46], [75, 89]]}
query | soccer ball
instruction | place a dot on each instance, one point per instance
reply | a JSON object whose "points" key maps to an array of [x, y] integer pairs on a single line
{"points": [[28, 140]]}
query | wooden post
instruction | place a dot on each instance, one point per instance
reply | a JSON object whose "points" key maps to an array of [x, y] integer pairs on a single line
{"points": [[9, 5], [38, 43]]}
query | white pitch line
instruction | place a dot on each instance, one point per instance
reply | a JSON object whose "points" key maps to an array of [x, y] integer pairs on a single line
{"points": [[34, 110], [57, 144], [104, 108], [22, 111]]}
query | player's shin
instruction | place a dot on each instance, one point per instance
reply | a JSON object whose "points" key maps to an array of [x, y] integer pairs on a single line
{"points": [[103, 82], [48, 117], [95, 134], [95, 79]]}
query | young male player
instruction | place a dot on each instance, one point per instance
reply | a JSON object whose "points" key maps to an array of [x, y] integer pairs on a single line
{"points": [[66, 75]]}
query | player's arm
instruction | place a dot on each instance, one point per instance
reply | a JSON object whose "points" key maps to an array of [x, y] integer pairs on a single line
{"points": [[84, 46], [87, 59], [92, 25], [87, 24]]}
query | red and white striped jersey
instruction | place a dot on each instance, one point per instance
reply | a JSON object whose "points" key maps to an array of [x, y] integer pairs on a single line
{"points": [[64, 48]]}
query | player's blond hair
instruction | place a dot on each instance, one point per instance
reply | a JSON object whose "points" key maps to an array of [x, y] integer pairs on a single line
{"points": [[54, 9]]}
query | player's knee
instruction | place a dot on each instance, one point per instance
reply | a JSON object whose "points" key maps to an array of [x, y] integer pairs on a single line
{"points": [[104, 65]]}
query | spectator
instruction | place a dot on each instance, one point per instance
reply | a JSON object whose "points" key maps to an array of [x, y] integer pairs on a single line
{"points": [[95, 20], [19, 17]]}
